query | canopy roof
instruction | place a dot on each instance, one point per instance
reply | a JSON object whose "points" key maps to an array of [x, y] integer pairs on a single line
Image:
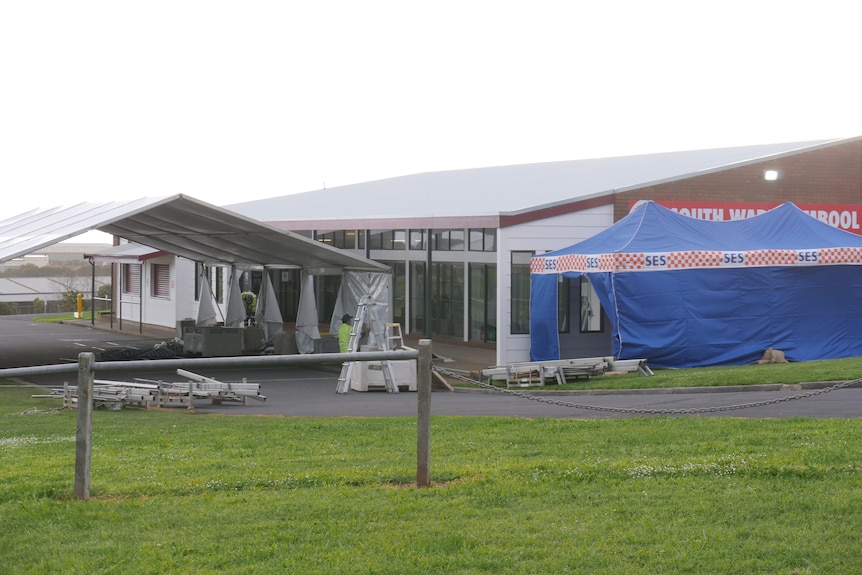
{"points": [[179, 225], [654, 238]]}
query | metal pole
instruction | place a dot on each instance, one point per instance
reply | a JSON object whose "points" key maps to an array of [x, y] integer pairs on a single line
{"points": [[141, 300], [428, 283], [423, 422], [84, 436], [92, 292]]}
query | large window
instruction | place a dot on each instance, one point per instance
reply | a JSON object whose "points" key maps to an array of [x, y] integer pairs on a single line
{"points": [[219, 284], [327, 287], [344, 239], [161, 281], [132, 279], [483, 240], [447, 299], [447, 240], [417, 297], [520, 296], [417, 239], [287, 285], [483, 302], [387, 240], [399, 291]]}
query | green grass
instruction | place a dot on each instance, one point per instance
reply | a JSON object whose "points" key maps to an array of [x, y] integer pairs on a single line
{"points": [[178, 492], [786, 373], [67, 316]]}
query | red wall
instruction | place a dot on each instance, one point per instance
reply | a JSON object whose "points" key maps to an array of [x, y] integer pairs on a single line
{"points": [[830, 175]]}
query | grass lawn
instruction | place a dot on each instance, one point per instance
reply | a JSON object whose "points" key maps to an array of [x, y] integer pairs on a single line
{"points": [[179, 492]]}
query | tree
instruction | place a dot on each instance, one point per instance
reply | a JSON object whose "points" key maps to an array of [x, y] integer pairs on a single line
{"points": [[38, 305]]}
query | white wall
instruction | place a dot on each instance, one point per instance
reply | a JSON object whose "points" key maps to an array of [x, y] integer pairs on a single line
{"points": [[540, 236], [182, 303]]}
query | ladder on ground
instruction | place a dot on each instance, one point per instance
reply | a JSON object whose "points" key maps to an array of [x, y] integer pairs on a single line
{"points": [[367, 313]]}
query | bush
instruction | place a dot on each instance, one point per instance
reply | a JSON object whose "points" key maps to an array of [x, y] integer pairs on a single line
{"points": [[8, 308], [69, 301], [38, 305]]}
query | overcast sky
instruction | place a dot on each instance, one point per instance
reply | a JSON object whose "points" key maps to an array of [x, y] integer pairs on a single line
{"points": [[234, 101]]}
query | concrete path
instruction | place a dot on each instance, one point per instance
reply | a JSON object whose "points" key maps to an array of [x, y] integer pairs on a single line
{"points": [[309, 392]]}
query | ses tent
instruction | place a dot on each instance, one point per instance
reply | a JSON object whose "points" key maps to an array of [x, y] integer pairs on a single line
{"points": [[682, 292]]}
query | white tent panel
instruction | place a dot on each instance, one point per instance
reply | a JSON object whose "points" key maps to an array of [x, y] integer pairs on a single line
{"points": [[307, 329]]}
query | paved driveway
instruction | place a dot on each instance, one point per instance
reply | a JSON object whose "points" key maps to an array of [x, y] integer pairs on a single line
{"points": [[300, 391]]}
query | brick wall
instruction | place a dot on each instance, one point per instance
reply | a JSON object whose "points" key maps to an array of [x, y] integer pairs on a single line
{"points": [[831, 175]]}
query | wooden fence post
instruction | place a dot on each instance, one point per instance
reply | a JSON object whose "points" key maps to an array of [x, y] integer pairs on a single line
{"points": [[84, 437], [423, 423]]}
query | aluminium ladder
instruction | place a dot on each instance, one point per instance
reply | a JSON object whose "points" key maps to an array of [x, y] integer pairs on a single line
{"points": [[367, 310]]}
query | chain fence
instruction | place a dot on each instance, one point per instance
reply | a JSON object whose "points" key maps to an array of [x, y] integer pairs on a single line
{"points": [[639, 411]]}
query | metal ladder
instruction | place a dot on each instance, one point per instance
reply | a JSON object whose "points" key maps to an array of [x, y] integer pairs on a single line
{"points": [[367, 310]]}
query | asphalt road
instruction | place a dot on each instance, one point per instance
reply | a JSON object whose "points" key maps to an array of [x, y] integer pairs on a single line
{"points": [[303, 391]]}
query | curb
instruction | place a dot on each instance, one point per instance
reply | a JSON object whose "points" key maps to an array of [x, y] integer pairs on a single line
{"points": [[667, 390]]}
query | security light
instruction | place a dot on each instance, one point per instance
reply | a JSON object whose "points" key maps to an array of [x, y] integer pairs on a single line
{"points": [[770, 175]]}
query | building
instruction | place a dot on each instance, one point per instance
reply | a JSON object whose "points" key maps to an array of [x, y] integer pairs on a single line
{"points": [[476, 229]]}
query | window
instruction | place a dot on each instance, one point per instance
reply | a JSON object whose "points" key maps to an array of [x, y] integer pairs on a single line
{"points": [[344, 239], [132, 279], [447, 240], [417, 297], [161, 280], [387, 240], [399, 291], [417, 239], [447, 299], [483, 240], [219, 284], [483, 302], [520, 292], [591, 309]]}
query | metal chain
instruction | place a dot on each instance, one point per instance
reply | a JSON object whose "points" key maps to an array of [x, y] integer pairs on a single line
{"points": [[641, 411]]}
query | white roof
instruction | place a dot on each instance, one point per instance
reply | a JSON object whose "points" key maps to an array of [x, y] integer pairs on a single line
{"points": [[179, 225], [499, 191], [124, 254]]}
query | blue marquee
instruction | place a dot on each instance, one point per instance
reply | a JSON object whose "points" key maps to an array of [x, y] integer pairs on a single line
{"points": [[682, 292]]}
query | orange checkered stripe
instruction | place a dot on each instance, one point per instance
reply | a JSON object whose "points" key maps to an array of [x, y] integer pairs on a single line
{"points": [[767, 258], [537, 265], [837, 256], [694, 259]]}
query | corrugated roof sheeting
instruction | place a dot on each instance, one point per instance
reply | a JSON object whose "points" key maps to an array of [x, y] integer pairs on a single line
{"points": [[180, 225], [503, 190]]}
